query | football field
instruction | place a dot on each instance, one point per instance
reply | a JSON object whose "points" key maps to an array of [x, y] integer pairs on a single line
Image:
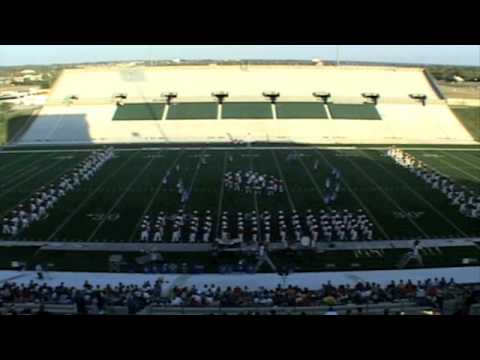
{"points": [[110, 207]]}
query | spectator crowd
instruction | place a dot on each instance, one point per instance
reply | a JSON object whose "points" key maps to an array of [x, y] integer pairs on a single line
{"points": [[96, 298]]}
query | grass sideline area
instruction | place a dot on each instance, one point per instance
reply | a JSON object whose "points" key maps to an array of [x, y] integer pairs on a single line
{"points": [[305, 261], [470, 118], [13, 123]]}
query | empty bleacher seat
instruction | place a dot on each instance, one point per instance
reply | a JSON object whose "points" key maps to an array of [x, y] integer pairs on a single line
{"points": [[354, 111]]}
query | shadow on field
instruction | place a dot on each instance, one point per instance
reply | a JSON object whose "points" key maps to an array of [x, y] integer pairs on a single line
{"points": [[58, 128]]}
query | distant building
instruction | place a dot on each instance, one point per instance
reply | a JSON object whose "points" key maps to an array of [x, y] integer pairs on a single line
{"points": [[33, 77], [5, 81], [457, 78], [27, 72]]}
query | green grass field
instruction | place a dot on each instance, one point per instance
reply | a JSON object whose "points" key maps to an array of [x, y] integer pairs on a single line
{"points": [[400, 205], [12, 123], [110, 207], [470, 118]]}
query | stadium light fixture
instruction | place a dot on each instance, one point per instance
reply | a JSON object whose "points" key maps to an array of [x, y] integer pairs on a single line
{"points": [[421, 97], [272, 95], [323, 95], [372, 96], [122, 96], [220, 95], [169, 96]]}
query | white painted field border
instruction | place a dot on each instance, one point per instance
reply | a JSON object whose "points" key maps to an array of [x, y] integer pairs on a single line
{"points": [[119, 200], [359, 200], [392, 200], [280, 172], [85, 200], [223, 148], [419, 196], [220, 196], [461, 275], [153, 198]]}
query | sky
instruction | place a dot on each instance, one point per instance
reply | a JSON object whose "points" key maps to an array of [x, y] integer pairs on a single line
{"points": [[422, 54]]}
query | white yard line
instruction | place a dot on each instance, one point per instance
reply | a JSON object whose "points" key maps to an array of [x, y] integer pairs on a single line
{"points": [[392, 200], [37, 189], [119, 200], [255, 201], [220, 197], [419, 196], [153, 198], [21, 174], [287, 191], [465, 162], [360, 202], [30, 177], [312, 179], [18, 160], [85, 200], [470, 163], [195, 175]]}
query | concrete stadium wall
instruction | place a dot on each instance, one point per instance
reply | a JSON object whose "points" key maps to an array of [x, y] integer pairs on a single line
{"points": [[89, 120], [195, 81], [401, 124]]}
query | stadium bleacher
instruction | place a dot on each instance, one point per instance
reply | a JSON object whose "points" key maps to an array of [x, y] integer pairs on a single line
{"points": [[192, 111], [354, 111], [301, 110], [141, 111], [403, 120], [247, 110]]}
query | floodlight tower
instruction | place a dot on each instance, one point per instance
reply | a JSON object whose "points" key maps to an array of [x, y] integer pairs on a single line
{"points": [[323, 95], [169, 96], [420, 97], [272, 95], [220, 95], [372, 96]]}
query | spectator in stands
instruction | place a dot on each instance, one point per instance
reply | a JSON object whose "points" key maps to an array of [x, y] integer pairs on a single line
{"points": [[137, 297], [331, 311], [41, 310]]}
